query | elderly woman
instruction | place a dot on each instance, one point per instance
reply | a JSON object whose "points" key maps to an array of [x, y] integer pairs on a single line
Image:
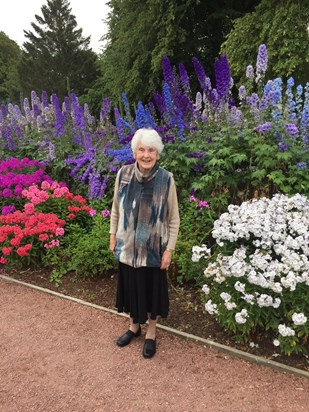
{"points": [[143, 233]]}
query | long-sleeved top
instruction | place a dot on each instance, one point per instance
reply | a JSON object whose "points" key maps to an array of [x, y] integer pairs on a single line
{"points": [[144, 216]]}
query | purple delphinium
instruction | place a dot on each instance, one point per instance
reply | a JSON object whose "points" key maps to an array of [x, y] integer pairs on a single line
{"points": [[159, 101], [200, 73], [261, 63], [196, 155], [292, 129], [167, 70], [78, 112], [105, 109], [44, 98], [119, 125], [283, 147], [264, 128], [223, 76], [184, 78]]}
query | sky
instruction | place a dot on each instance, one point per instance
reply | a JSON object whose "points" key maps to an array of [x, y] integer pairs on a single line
{"points": [[17, 16]]}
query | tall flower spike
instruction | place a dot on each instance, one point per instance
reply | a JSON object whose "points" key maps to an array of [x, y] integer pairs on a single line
{"points": [[184, 78], [261, 63], [167, 70], [223, 76]]}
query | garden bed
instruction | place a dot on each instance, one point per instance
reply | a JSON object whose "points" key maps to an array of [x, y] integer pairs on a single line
{"points": [[186, 311]]}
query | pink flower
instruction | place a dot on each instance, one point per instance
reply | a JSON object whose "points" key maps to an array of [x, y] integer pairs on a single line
{"points": [[45, 185], [3, 261], [202, 204], [59, 231], [29, 208], [7, 250], [106, 213], [192, 199]]}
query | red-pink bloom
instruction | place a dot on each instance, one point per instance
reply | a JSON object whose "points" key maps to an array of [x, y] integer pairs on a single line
{"points": [[3, 261], [7, 250], [29, 208]]}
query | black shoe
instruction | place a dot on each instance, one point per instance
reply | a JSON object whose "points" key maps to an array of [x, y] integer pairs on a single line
{"points": [[149, 348], [126, 338]]}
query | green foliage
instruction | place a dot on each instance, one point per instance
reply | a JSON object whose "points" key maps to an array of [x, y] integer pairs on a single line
{"points": [[140, 33], [10, 55], [84, 252], [283, 26]]}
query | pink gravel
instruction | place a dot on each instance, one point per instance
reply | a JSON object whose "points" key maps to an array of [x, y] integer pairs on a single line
{"points": [[58, 355]]}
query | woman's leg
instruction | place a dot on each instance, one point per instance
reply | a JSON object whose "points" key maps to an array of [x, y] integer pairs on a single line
{"points": [[151, 329], [134, 327]]}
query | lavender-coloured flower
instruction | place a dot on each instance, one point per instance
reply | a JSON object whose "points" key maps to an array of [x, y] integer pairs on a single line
{"points": [[242, 92], [292, 129], [261, 63], [264, 128], [283, 147], [250, 72]]}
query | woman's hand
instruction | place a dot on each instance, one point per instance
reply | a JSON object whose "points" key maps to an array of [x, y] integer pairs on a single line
{"points": [[112, 242], [166, 259]]}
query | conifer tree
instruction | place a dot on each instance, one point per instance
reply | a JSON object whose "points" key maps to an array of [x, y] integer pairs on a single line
{"points": [[56, 57]]}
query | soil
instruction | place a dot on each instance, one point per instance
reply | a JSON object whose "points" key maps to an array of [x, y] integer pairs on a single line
{"points": [[186, 311]]}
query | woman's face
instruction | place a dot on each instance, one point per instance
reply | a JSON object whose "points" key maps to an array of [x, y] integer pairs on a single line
{"points": [[146, 157]]}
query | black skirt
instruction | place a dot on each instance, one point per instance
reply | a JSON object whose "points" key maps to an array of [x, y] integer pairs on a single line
{"points": [[141, 291]]}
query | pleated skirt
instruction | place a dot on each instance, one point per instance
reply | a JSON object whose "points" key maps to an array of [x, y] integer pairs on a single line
{"points": [[141, 291]]}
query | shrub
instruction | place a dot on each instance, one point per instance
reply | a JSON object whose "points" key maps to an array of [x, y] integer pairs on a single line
{"points": [[259, 277]]}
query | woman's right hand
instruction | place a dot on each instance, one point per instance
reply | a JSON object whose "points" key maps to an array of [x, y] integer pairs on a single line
{"points": [[112, 242]]}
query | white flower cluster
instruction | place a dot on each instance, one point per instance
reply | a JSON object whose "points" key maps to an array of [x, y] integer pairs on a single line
{"points": [[270, 260], [279, 232], [199, 251]]}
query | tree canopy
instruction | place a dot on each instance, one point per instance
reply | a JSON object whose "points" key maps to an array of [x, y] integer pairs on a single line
{"points": [[140, 33], [56, 57], [10, 54], [280, 24]]}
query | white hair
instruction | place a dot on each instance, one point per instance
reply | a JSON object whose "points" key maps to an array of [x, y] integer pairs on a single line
{"points": [[147, 137]]}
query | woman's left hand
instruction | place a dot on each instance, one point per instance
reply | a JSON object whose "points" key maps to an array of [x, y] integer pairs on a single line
{"points": [[166, 259]]}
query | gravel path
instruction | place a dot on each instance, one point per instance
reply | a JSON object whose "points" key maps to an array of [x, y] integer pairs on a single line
{"points": [[58, 355]]}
